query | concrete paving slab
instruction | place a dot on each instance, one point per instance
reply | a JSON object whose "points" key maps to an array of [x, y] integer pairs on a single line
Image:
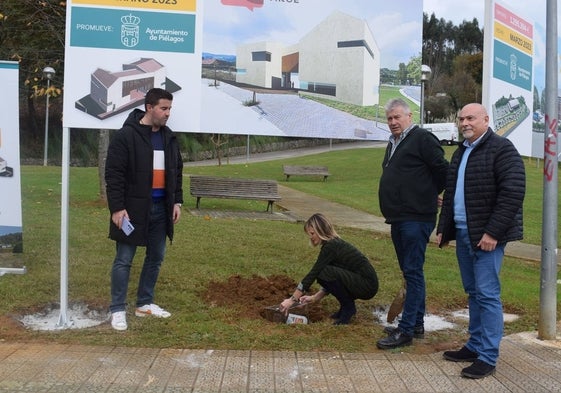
{"points": [[526, 365]]}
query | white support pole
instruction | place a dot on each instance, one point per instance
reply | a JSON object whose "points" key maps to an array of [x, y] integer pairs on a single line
{"points": [[12, 270], [63, 321]]}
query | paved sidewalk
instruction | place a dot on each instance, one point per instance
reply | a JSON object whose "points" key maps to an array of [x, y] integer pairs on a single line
{"points": [[526, 365]]}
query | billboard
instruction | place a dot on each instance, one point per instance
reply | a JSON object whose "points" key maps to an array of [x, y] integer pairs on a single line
{"points": [[508, 74], [11, 242], [249, 67], [116, 50]]}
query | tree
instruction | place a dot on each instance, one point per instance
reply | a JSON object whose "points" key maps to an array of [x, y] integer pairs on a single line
{"points": [[437, 44], [102, 156], [402, 74], [469, 38], [455, 55], [32, 33], [414, 69]]}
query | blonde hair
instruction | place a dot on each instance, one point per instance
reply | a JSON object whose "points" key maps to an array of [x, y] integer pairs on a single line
{"points": [[321, 226]]}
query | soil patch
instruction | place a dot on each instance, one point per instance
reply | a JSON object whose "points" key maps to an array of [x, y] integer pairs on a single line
{"points": [[252, 295]]}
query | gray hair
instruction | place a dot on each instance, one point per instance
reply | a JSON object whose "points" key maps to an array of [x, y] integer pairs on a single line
{"points": [[397, 102]]}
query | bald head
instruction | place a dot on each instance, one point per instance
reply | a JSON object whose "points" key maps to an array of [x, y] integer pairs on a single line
{"points": [[473, 121]]}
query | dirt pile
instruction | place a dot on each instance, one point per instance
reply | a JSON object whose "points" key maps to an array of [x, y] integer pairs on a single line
{"points": [[252, 295]]}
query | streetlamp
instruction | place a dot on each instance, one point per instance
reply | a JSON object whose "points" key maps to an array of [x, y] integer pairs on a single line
{"points": [[48, 72], [425, 72]]}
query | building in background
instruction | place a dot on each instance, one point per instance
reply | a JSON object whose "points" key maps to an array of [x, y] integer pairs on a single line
{"points": [[338, 58]]}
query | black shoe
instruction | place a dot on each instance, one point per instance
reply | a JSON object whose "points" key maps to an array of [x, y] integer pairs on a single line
{"points": [[418, 331], [395, 340], [479, 369], [345, 314], [463, 355]]}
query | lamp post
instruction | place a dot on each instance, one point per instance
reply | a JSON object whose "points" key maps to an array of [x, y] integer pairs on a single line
{"points": [[425, 72], [48, 72]]}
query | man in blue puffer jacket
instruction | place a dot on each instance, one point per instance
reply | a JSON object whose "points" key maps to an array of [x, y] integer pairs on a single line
{"points": [[144, 177], [482, 211]]}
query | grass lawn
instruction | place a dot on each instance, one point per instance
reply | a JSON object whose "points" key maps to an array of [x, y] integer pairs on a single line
{"points": [[206, 251]]}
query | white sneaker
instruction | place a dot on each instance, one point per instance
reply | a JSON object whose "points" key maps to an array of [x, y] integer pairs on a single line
{"points": [[153, 310], [119, 320]]}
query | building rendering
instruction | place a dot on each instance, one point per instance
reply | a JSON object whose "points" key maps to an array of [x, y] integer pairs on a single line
{"points": [[338, 59], [114, 92]]}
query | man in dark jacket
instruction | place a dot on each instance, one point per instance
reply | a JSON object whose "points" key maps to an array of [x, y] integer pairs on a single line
{"points": [[414, 173], [482, 211], [144, 172]]}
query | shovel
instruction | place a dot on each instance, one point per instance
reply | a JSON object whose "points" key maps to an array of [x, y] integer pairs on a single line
{"points": [[298, 313], [397, 305]]}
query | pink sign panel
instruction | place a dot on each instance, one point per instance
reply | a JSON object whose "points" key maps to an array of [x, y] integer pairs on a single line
{"points": [[513, 21], [250, 4]]}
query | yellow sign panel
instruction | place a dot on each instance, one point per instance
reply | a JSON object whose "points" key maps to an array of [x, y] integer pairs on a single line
{"points": [[514, 38], [168, 5]]}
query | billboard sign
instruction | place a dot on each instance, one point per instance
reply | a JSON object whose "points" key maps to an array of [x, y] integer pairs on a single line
{"points": [[250, 67], [509, 75], [11, 239], [118, 49]]}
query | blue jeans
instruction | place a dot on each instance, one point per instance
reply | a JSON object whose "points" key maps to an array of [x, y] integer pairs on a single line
{"points": [[480, 278], [410, 240], [155, 251]]}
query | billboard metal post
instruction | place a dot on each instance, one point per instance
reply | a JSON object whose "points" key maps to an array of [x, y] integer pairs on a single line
{"points": [[64, 321], [548, 280]]}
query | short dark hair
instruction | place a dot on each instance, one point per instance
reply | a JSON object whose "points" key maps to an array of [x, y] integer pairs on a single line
{"points": [[153, 96]]}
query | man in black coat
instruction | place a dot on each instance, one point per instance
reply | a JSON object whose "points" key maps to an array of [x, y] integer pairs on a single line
{"points": [[144, 178], [482, 211], [414, 173]]}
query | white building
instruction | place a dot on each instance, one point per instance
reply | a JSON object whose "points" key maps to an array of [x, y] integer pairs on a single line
{"points": [[114, 90], [337, 59]]}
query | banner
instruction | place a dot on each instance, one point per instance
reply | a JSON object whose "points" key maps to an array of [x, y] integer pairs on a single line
{"points": [[250, 67], [508, 75], [118, 49], [11, 240]]}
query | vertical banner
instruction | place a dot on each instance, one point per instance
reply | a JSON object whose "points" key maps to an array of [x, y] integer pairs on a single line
{"points": [[11, 240], [508, 74], [116, 50]]}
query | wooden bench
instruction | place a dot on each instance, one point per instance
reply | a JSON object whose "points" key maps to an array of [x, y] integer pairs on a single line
{"points": [[224, 187], [307, 170]]}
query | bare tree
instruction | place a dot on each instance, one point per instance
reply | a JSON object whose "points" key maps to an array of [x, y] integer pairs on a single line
{"points": [[103, 145]]}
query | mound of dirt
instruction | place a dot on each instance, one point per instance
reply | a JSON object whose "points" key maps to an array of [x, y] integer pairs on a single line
{"points": [[251, 296]]}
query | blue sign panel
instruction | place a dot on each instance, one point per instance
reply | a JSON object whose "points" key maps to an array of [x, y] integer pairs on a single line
{"points": [[135, 30], [512, 66]]}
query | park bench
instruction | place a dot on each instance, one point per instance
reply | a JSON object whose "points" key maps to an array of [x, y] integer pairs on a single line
{"points": [[224, 187], [307, 170]]}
